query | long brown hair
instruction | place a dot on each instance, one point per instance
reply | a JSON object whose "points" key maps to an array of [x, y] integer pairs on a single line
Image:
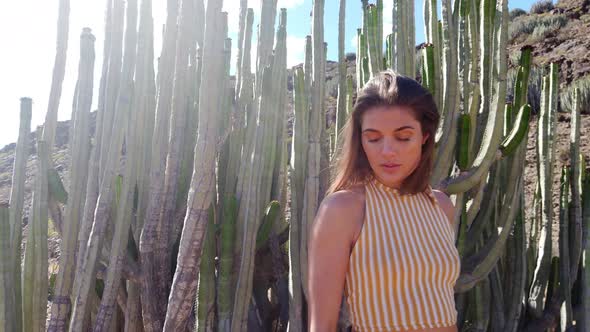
{"points": [[388, 88]]}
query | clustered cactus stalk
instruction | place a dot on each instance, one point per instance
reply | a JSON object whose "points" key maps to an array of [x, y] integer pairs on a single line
{"points": [[176, 214]]}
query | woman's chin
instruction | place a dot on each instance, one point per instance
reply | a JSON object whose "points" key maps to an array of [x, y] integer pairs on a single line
{"points": [[390, 179]]}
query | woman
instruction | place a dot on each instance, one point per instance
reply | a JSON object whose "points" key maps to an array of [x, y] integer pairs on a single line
{"points": [[382, 235]]}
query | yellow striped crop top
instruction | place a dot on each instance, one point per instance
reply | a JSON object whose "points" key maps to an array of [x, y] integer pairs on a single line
{"points": [[404, 265]]}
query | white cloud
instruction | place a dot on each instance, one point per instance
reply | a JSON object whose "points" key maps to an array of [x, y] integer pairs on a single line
{"points": [[387, 17], [354, 42], [232, 7], [387, 29], [295, 50], [27, 68], [289, 3]]}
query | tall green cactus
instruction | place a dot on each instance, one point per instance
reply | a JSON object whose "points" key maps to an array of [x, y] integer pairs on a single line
{"points": [[298, 168], [565, 281], [203, 179], [153, 288], [260, 179], [87, 269], [312, 195], [226, 249], [586, 248], [545, 128], [13, 295], [35, 281], [59, 69], [204, 304], [80, 141], [341, 105], [7, 307]]}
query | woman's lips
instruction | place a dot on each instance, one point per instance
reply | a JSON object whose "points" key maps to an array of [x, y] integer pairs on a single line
{"points": [[390, 167]]}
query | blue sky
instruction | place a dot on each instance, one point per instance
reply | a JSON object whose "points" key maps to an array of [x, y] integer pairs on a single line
{"points": [[28, 32], [299, 22]]}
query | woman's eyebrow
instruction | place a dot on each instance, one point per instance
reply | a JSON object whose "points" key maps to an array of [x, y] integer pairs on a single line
{"points": [[398, 129], [404, 127]]}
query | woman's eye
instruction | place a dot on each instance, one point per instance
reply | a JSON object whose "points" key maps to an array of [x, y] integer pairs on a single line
{"points": [[373, 140], [404, 139]]}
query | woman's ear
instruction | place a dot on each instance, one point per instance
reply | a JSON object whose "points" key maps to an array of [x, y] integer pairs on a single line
{"points": [[425, 138]]}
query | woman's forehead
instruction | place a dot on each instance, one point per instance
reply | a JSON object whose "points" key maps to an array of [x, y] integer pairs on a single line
{"points": [[389, 118]]}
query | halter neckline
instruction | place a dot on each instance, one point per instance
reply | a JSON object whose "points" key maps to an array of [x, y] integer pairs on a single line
{"points": [[371, 178]]}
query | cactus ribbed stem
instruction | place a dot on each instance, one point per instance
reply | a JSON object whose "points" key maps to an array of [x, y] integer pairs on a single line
{"points": [[206, 285], [7, 308], [432, 37], [298, 167], [428, 69], [586, 248], [166, 221], [86, 271], [145, 103], [541, 275], [342, 90], [565, 279], [358, 59], [517, 271], [478, 266], [576, 187], [153, 289], [227, 243], [59, 70], [241, 37], [80, 140], [473, 83], [492, 134], [35, 282], [182, 292], [258, 182], [266, 32], [372, 35], [16, 203], [112, 84], [124, 207], [246, 111], [518, 132], [449, 108], [249, 214]]}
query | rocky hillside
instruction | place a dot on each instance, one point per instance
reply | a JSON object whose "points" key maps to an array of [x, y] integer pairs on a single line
{"points": [[561, 34]]}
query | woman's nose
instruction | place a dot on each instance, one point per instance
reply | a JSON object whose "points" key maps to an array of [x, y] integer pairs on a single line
{"points": [[389, 147]]}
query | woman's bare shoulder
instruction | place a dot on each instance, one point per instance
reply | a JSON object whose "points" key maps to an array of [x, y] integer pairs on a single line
{"points": [[346, 200], [342, 212], [446, 204]]}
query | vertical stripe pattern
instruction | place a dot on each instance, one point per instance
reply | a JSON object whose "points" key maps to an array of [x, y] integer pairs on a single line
{"points": [[404, 265]]}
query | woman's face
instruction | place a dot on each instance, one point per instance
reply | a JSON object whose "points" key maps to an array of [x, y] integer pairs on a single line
{"points": [[392, 140]]}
